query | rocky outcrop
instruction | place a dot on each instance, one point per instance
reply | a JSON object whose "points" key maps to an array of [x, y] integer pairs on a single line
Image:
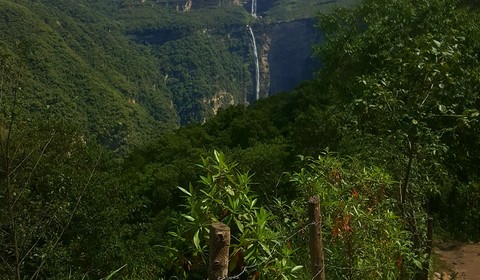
{"points": [[219, 100], [265, 65], [286, 56]]}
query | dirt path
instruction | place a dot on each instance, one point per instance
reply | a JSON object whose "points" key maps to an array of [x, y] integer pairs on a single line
{"points": [[462, 261]]}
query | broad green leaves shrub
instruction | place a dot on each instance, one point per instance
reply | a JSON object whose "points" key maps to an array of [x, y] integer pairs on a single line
{"points": [[223, 195], [405, 75], [364, 236]]}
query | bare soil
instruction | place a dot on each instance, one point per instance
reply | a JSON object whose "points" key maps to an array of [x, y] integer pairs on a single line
{"points": [[461, 261]]}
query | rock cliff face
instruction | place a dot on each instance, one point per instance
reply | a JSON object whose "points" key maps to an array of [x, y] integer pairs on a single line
{"points": [[265, 64], [287, 54]]}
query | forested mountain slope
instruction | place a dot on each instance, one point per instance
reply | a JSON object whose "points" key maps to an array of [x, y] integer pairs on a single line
{"points": [[126, 70], [76, 66]]}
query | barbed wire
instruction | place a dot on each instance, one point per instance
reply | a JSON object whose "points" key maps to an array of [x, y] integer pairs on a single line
{"points": [[246, 269], [318, 273]]}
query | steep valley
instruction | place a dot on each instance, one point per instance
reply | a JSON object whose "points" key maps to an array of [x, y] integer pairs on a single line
{"points": [[125, 71], [226, 56]]}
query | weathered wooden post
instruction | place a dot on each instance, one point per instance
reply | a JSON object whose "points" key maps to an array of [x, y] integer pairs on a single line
{"points": [[219, 251], [316, 245]]}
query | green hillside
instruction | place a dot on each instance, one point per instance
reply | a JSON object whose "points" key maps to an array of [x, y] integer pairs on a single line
{"points": [[126, 71], [204, 54], [80, 69]]}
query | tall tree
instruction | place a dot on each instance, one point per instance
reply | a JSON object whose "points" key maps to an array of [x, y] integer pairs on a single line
{"points": [[407, 73], [406, 76]]}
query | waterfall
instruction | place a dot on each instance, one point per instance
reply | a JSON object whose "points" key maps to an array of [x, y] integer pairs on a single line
{"points": [[257, 67], [254, 8]]}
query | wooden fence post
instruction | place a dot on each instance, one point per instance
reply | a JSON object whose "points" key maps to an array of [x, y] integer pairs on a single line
{"points": [[219, 251], [316, 245]]}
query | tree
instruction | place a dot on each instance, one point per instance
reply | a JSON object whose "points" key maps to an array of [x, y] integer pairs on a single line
{"points": [[406, 77], [405, 70], [41, 193], [52, 178]]}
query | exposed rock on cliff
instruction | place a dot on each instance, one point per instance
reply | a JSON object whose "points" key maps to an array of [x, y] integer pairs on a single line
{"points": [[219, 100], [288, 47], [265, 65]]}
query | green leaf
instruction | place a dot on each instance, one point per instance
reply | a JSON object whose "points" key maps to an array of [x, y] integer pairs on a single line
{"points": [[196, 240], [417, 263], [252, 204], [190, 218], [239, 225], [184, 191], [442, 108], [265, 248], [296, 268], [219, 156]]}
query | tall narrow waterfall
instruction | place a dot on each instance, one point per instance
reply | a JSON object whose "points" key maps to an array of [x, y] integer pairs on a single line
{"points": [[257, 67], [254, 8]]}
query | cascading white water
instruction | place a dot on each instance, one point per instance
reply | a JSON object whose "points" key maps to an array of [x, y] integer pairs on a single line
{"points": [[254, 8], [257, 67]]}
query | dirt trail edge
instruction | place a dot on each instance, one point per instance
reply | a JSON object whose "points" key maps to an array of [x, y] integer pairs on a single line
{"points": [[461, 258]]}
